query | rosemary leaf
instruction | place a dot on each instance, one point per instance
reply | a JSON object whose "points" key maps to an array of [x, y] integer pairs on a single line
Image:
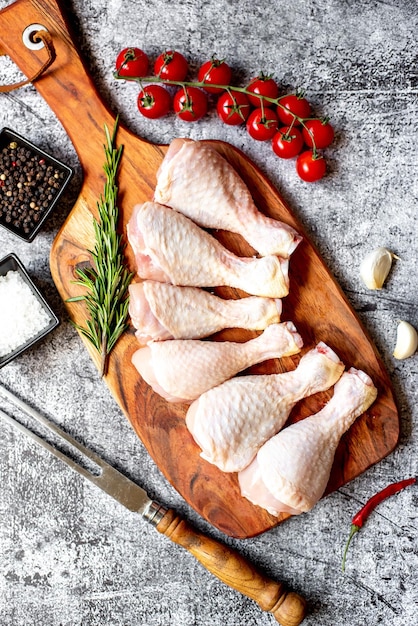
{"points": [[107, 281]]}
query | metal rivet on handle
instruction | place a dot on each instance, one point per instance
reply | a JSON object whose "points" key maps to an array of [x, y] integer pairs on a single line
{"points": [[28, 36]]}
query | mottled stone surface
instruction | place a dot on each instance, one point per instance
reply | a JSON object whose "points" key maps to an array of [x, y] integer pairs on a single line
{"points": [[70, 556]]}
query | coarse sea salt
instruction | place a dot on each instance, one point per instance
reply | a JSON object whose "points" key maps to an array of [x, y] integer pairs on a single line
{"points": [[22, 316]]}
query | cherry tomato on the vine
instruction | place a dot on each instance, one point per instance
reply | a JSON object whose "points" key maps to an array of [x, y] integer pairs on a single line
{"points": [[171, 65], [319, 132], [233, 108], [287, 142], [132, 62], [293, 104], [262, 124], [214, 72], [154, 101], [190, 104], [310, 167], [262, 86]]}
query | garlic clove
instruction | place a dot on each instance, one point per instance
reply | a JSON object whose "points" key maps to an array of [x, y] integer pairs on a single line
{"points": [[375, 267], [406, 341]]}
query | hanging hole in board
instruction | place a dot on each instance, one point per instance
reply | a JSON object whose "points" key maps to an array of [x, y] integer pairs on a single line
{"points": [[29, 37]]}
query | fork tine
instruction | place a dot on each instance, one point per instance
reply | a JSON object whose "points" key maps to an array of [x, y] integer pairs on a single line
{"points": [[50, 426], [109, 479], [60, 455]]}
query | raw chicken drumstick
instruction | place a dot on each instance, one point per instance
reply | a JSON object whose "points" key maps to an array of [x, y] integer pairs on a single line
{"points": [[162, 311], [180, 371], [171, 248], [233, 420], [197, 181], [291, 471]]}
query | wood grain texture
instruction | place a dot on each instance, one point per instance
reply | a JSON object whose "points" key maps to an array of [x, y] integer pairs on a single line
{"points": [[288, 608], [316, 304]]}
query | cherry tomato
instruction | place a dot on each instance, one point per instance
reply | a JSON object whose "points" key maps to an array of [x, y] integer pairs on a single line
{"points": [[287, 142], [214, 72], [319, 132], [171, 65], [132, 62], [262, 86], [233, 108], [262, 124], [310, 167], [154, 101], [293, 104], [190, 104]]}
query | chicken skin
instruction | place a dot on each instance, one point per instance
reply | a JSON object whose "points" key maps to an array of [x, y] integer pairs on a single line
{"points": [[197, 181], [232, 421], [162, 311], [169, 247], [291, 470], [181, 370]]}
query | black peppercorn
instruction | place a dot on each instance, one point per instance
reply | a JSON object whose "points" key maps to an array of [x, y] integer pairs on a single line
{"points": [[28, 186]]}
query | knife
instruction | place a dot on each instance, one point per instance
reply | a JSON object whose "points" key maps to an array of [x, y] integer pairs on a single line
{"points": [[228, 565]]}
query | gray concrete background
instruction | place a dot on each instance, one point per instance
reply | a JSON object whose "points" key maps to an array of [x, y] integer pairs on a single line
{"points": [[71, 556]]}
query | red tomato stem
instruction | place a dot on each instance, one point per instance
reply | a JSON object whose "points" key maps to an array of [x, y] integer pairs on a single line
{"points": [[289, 128], [202, 84], [230, 88]]}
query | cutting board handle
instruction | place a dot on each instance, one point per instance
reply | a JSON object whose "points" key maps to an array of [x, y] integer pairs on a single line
{"points": [[42, 39], [67, 85], [234, 570]]}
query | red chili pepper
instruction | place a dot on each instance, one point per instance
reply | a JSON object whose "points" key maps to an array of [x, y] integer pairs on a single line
{"points": [[360, 517]]}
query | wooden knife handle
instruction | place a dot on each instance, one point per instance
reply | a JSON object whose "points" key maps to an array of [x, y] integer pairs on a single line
{"points": [[234, 570]]}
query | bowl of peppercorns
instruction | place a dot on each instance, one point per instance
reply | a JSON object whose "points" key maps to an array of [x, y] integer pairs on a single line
{"points": [[31, 183]]}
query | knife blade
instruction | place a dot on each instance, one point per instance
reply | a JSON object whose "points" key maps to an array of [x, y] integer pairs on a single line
{"points": [[227, 564]]}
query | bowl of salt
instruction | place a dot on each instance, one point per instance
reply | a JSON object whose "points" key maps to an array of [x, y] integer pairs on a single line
{"points": [[25, 316]]}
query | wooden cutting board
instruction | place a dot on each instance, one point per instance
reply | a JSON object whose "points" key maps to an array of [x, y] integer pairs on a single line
{"points": [[316, 304]]}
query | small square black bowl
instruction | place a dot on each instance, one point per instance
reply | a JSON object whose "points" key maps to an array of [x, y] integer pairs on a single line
{"points": [[31, 183], [12, 263]]}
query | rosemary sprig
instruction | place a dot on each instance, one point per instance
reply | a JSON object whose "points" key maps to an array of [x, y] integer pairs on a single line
{"points": [[106, 282]]}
